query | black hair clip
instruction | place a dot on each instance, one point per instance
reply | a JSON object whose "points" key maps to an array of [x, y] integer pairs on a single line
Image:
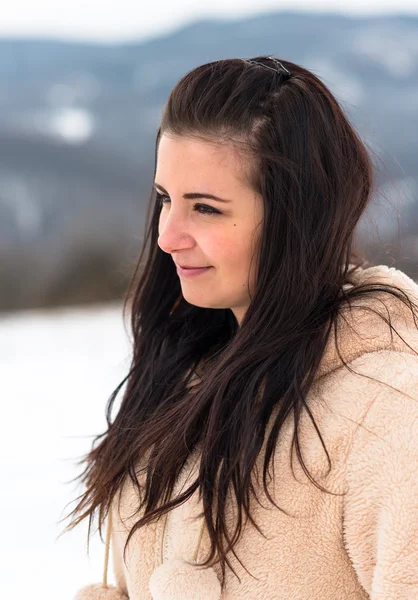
{"points": [[254, 62]]}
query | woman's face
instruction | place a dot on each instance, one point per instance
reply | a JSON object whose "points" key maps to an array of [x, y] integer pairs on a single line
{"points": [[204, 232]]}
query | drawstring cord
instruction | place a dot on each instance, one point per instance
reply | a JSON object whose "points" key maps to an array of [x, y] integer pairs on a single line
{"points": [[107, 549]]}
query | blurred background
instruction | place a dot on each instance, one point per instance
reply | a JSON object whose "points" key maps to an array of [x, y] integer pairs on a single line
{"points": [[82, 86]]}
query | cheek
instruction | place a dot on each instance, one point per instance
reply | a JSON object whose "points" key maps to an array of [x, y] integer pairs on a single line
{"points": [[231, 254]]}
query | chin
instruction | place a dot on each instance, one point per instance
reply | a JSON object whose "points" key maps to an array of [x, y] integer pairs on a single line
{"points": [[203, 303]]}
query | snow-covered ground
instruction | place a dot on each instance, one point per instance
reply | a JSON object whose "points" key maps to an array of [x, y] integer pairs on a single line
{"points": [[57, 371]]}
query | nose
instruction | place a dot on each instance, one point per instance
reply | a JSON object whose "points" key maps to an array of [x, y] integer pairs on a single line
{"points": [[173, 234]]}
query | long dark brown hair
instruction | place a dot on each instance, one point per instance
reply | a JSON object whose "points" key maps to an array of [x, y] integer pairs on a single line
{"points": [[316, 178]]}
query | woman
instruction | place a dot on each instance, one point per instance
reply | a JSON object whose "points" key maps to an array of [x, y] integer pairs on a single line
{"points": [[266, 446]]}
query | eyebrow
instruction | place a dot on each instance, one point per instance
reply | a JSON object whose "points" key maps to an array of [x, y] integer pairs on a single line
{"points": [[195, 195]]}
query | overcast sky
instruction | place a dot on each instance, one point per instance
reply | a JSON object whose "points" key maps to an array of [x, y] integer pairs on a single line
{"points": [[108, 20]]}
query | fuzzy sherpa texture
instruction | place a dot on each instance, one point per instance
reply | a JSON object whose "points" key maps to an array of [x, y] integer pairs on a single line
{"points": [[178, 580], [360, 543], [96, 591]]}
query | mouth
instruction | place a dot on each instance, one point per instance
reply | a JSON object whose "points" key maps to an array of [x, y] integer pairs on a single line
{"points": [[191, 271]]}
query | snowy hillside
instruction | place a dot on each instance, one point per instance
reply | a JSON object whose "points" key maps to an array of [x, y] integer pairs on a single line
{"points": [[57, 369]]}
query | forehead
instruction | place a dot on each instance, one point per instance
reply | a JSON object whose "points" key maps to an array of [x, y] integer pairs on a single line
{"points": [[193, 161]]}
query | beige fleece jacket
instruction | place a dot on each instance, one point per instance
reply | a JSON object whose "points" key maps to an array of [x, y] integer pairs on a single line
{"points": [[361, 545]]}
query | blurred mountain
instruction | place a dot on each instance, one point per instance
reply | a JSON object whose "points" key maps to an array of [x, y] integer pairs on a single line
{"points": [[78, 124]]}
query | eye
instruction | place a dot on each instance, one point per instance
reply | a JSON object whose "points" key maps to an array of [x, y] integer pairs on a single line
{"points": [[202, 209], [161, 198]]}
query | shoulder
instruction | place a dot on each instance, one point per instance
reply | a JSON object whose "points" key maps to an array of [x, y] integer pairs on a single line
{"points": [[375, 391], [361, 407], [383, 386], [382, 373], [384, 392]]}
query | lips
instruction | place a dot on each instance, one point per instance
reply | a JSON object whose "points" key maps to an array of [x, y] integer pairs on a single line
{"points": [[191, 271], [191, 266]]}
